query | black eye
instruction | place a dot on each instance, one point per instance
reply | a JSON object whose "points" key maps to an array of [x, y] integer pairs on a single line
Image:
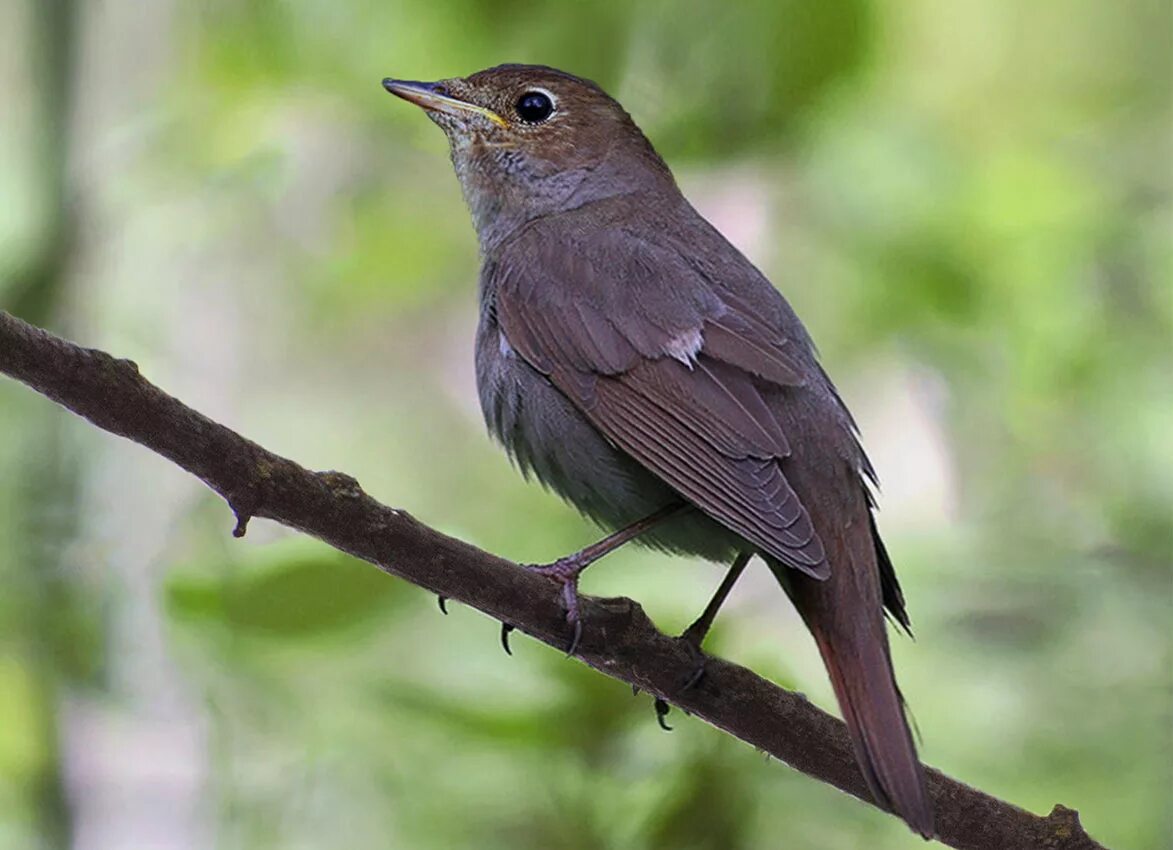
{"points": [[534, 107]]}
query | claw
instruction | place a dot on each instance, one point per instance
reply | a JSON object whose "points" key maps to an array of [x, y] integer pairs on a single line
{"points": [[576, 638], [506, 628], [695, 678], [565, 571], [662, 709], [691, 640], [442, 601]]}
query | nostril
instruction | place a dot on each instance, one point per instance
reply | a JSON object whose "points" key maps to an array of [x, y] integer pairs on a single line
{"points": [[440, 89]]}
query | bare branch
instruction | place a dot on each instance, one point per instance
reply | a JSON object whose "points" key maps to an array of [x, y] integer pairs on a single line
{"points": [[619, 639]]}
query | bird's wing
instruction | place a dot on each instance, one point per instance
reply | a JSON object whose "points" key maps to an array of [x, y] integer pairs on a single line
{"points": [[665, 368]]}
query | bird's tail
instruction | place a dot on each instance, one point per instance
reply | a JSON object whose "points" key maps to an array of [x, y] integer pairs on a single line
{"points": [[861, 674], [845, 615]]}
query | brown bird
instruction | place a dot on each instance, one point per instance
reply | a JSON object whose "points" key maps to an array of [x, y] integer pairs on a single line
{"points": [[639, 365]]}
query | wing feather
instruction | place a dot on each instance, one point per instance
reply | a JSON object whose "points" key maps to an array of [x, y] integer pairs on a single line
{"points": [[694, 415]]}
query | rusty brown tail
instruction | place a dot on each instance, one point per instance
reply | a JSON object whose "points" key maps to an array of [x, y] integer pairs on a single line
{"points": [[861, 673], [844, 613]]}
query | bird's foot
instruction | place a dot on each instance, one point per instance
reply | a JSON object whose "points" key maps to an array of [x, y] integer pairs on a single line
{"points": [[692, 638], [662, 708], [565, 571]]}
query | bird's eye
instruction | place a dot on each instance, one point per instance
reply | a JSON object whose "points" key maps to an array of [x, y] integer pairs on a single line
{"points": [[534, 107]]}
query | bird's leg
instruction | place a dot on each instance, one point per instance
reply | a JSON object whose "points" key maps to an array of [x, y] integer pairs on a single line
{"points": [[567, 570], [695, 634]]}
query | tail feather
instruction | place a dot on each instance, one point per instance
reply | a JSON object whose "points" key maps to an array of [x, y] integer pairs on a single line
{"points": [[845, 615], [861, 674]]}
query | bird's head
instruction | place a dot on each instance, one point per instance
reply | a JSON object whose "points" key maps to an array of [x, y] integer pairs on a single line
{"points": [[528, 141]]}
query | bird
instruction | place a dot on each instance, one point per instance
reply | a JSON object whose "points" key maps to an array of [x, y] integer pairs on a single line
{"points": [[640, 366]]}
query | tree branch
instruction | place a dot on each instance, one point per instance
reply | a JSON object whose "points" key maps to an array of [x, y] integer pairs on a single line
{"points": [[619, 640]]}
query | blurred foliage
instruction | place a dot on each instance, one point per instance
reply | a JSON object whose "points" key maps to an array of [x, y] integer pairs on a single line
{"points": [[969, 203]]}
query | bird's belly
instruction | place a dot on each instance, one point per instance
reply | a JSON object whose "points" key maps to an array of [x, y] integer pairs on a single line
{"points": [[548, 438]]}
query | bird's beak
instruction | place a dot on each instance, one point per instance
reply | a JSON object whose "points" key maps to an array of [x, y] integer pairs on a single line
{"points": [[431, 96]]}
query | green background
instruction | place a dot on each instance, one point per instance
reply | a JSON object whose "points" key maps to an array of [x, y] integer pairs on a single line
{"points": [[969, 204]]}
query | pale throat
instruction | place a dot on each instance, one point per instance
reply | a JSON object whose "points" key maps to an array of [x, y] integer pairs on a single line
{"points": [[503, 192], [504, 189]]}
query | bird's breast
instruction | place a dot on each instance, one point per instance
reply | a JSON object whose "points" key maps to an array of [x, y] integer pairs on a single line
{"points": [[549, 439]]}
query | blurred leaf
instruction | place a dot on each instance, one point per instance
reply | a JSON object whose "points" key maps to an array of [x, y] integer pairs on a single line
{"points": [[300, 594]]}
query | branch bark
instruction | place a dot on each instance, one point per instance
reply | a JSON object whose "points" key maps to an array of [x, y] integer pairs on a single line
{"points": [[619, 639]]}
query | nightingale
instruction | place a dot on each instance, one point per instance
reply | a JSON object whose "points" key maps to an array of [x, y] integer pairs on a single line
{"points": [[636, 363]]}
